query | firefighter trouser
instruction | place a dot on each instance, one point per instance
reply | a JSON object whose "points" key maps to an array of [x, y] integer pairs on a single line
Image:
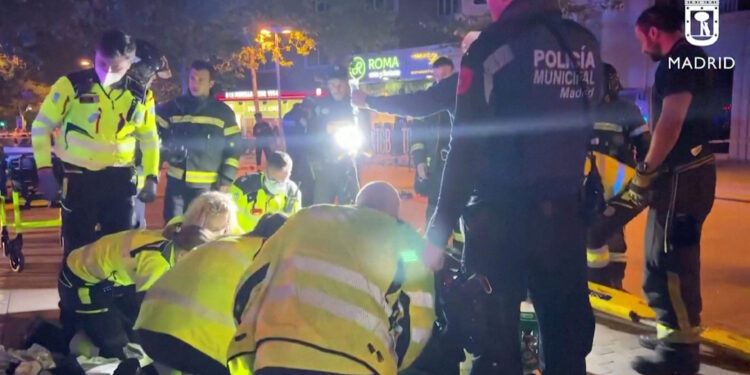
{"points": [[335, 182], [612, 272], [178, 196], [94, 310], [172, 353], [682, 201], [95, 197], [525, 244]]}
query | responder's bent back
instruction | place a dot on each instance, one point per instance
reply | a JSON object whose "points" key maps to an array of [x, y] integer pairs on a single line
{"points": [[329, 292]]}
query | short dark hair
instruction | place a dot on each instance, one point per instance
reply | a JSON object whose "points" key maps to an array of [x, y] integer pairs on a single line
{"points": [[258, 115], [663, 17], [203, 65], [279, 160], [115, 43], [443, 61]]}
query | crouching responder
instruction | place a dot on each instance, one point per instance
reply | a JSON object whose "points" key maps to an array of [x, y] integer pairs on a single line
{"points": [[337, 290], [257, 194], [132, 258], [621, 139], [186, 320]]}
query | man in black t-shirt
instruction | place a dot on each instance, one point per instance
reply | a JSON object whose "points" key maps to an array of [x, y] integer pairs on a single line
{"points": [[677, 180]]}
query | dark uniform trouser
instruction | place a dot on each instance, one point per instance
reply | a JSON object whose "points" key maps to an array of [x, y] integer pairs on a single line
{"points": [[178, 355], [681, 203], [104, 318], [303, 176], [178, 197], [259, 154], [541, 246], [336, 182], [95, 197]]}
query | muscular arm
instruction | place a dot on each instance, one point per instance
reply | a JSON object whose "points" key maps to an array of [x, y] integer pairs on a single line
{"points": [[668, 128], [466, 147], [438, 98]]}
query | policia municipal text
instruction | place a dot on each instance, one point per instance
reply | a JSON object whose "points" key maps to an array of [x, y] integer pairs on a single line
{"points": [[516, 153]]}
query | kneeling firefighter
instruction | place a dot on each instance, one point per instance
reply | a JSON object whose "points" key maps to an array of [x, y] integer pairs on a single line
{"points": [[621, 139], [173, 326], [89, 306]]}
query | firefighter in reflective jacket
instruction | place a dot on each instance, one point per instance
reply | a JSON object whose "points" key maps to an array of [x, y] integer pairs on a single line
{"points": [[133, 259], [257, 194], [621, 139], [338, 290], [100, 114], [186, 320], [201, 140]]}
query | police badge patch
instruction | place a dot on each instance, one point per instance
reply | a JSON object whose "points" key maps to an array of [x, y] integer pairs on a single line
{"points": [[702, 22]]}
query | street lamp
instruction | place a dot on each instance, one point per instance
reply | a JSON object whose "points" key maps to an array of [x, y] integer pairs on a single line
{"points": [[84, 63]]}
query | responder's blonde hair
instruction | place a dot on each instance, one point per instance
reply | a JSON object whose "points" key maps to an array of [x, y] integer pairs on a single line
{"points": [[209, 216], [212, 211]]}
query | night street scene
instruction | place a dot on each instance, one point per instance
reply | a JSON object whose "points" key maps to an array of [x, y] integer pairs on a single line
{"points": [[375, 187]]}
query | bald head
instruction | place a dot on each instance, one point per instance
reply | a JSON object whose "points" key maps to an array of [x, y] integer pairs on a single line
{"points": [[381, 196]]}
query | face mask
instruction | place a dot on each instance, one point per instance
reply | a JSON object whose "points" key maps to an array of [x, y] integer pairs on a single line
{"points": [[275, 187], [110, 79]]}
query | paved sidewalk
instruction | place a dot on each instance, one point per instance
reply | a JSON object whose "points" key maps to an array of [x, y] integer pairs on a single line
{"points": [[616, 344]]}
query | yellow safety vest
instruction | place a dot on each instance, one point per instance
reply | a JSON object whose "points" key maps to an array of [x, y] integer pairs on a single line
{"points": [[99, 127], [253, 200], [194, 301], [324, 292], [137, 257]]}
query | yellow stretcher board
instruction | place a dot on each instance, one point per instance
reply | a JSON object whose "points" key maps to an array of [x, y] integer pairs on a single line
{"points": [[632, 308]]}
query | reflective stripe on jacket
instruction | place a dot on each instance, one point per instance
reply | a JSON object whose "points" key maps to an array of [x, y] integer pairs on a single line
{"points": [[329, 292], [98, 127], [194, 301], [131, 257]]}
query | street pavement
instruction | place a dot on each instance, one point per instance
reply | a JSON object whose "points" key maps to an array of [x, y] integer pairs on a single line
{"points": [[725, 270]]}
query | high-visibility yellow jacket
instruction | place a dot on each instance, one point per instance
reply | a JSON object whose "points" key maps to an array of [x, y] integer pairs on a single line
{"points": [[337, 289], [194, 302], [98, 127], [254, 200], [134, 257], [202, 140]]}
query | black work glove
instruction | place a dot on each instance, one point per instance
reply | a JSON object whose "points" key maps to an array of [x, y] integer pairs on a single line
{"points": [[48, 184], [639, 191], [148, 192]]}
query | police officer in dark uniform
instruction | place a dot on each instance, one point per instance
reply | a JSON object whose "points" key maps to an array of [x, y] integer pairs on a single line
{"points": [[621, 138], [518, 142], [335, 170], [296, 125], [430, 144], [679, 177]]}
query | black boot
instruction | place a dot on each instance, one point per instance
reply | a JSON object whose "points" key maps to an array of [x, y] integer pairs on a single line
{"points": [[671, 359], [648, 341]]}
